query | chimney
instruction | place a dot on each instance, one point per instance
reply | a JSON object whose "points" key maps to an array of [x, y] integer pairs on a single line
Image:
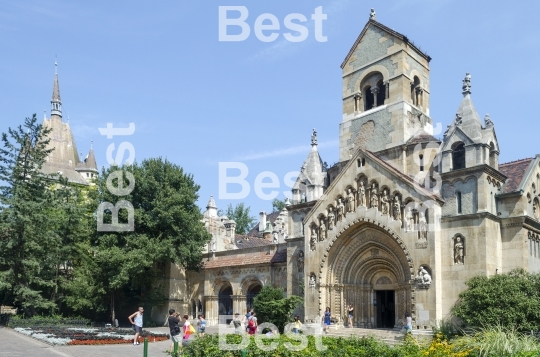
{"points": [[262, 221]]}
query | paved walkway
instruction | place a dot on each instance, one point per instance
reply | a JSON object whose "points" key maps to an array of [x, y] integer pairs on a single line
{"points": [[14, 344]]}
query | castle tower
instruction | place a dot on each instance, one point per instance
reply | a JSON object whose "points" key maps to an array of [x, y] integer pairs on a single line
{"points": [[385, 91]]}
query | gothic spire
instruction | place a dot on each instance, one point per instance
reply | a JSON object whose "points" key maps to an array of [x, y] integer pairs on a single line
{"points": [[56, 102]]}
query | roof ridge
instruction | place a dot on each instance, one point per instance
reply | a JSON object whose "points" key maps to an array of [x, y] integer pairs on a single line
{"points": [[516, 161]]}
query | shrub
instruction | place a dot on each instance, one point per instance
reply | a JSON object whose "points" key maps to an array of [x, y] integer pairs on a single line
{"points": [[271, 306], [511, 300]]}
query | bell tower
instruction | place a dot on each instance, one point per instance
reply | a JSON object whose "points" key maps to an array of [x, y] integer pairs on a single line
{"points": [[385, 91]]}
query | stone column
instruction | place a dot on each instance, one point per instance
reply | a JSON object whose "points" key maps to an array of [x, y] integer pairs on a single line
{"points": [[211, 308], [374, 91]]}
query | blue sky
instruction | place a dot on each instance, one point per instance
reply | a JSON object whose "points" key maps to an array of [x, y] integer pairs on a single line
{"points": [[198, 101]]}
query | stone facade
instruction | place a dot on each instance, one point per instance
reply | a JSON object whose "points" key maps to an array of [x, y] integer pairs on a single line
{"points": [[400, 223]]}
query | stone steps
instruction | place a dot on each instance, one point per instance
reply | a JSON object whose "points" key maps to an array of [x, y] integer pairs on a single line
{"points": [[389, 336]]}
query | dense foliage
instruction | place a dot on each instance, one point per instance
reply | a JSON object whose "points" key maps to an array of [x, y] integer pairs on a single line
{"points": [[488, 343], [167, 230], [241, 215], [511, 300], [53, 259], [271, 306]]}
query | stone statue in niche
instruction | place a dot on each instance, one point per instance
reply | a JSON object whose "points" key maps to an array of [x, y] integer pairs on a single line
{"points": [[312, 281], [331, 218], [340, 210], [397, 209], [300, 262], [374, 198], [350, 201], [322, 230], [385, 205], [422, 226], [409, 220], [314, 232], [362, 194], [459, 250], [313, 242], [423, 278]]}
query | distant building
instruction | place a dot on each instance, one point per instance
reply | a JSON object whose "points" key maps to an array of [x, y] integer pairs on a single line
{"points": [[64, 159]]}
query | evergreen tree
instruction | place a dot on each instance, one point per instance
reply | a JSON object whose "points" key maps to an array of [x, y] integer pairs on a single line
{"points": [[27, 244]]}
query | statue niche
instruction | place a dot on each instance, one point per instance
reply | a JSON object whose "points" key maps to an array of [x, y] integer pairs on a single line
{"points": [[459, 250], [350, 201], [385, 202], [331, 218], [374, 197], [340, 210], [322, 229], [362, 194]]}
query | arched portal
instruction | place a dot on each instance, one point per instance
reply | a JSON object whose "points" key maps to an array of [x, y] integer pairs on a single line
{"points": [[369, 268], [225, 302]]}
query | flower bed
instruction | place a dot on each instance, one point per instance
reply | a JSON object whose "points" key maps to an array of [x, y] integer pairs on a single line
{"points": [[86, 336]]}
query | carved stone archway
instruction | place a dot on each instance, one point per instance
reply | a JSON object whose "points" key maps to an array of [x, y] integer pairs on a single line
{"points": [[364, 259]]}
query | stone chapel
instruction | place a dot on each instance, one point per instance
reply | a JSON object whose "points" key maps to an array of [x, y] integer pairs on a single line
{"points": [[398, 225]]}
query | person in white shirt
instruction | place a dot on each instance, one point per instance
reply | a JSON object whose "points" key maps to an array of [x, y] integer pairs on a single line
{"points": [[136, 320]]}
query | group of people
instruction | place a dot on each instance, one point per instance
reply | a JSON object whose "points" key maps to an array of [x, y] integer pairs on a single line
{"points": [[187, 330]]}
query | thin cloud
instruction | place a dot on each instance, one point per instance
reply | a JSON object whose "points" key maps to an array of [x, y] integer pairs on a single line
{"points": [[285, 152], [283, 47]]}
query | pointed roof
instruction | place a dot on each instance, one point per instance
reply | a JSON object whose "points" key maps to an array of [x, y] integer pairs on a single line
{"points": [[312, 169], [373, 22], [56, 89], [211, 203]]}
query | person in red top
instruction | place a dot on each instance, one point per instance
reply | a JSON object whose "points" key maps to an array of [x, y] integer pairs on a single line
{"points": [[252, 324]]}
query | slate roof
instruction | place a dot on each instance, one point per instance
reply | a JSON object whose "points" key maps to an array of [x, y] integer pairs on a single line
{"points": [[243, 242], [515, 171], [271, 217], [249, 259]]}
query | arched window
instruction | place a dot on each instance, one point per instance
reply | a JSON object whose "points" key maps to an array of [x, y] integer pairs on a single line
{"points": [[369, 101], [416, 91], [458, 201], [458, 156]]}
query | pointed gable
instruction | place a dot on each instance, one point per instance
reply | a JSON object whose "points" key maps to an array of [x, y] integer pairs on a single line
{"points": [[371, 37]]}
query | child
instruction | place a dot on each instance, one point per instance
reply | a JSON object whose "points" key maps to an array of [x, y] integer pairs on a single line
{"points": [[201, 325]]}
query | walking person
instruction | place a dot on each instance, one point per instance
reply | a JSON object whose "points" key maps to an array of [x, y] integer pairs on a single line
{"points": [[252, 324], [136, 320], [351, 315], [247, 318], [188, 330], [408, 322], [201, 325], [174, 327], [327, 315]]}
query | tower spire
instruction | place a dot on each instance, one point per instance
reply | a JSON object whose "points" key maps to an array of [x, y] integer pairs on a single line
{"points": [[56, 102]]}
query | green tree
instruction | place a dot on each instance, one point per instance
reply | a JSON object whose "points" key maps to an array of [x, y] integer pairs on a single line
{"points": [[511, 300], [120, 266], [271, 306], [241, 215], [27, 242], [278, 205]]}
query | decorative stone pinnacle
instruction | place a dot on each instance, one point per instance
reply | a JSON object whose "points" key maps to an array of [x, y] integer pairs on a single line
{"points": [[314, 137], [487, 120], [467, 84], [373, 15]]}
